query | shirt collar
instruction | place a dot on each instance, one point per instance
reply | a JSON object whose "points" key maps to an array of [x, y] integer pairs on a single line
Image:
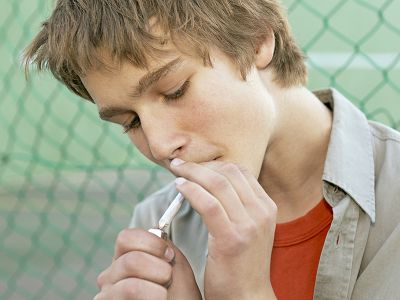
{"points": [[349, 164]]}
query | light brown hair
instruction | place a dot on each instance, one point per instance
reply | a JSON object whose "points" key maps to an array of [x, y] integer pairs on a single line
{"points": [[70, 39]]}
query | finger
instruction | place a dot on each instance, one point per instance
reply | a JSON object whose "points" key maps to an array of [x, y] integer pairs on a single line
{"points": [[257, 188], [135, 239], [133, 289], [255, 185], [239, 182], [215, 184], [183, 281], [255, 200], [139, 265], [210, 209]]}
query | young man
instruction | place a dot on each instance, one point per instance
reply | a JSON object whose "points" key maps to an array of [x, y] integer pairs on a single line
{"points": [[290, 194]]}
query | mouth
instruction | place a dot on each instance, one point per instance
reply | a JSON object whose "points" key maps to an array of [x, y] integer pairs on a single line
{"points": [[218, 158], [210, 161]]}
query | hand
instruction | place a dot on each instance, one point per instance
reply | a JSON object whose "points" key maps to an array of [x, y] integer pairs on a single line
{"points": [[241, 220], [146, 267]]}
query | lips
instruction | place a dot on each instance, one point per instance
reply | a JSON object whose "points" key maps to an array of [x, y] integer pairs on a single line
{"points": [[200, 161], [209, 160]]}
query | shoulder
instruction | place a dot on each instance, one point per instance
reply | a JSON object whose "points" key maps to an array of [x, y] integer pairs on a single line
{"points": [[147, 212], [385, 135], [386, 145]]}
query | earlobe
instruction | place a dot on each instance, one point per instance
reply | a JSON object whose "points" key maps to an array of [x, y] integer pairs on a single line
{"points": [[265, 51]]}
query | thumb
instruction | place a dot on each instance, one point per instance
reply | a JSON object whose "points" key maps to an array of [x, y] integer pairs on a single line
{"points": [[183, 285]]}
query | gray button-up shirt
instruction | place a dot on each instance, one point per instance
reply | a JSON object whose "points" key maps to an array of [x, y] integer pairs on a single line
{"points": [[361, 181]]}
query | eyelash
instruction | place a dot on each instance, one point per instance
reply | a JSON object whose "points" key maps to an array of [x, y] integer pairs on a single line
{"points": [[135, 122]]}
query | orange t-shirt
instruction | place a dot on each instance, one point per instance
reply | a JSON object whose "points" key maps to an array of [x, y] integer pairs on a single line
{"points": [[295, 255]]}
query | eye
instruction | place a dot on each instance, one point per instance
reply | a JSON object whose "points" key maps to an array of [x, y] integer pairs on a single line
{"points": [[134, 123], [179, 93]]}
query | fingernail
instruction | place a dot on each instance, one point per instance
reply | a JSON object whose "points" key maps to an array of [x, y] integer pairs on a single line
{"points": [[177, 162], [169, 254], [180, 180]]}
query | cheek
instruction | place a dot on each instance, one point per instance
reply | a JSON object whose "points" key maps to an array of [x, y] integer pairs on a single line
{"points": [[200, 111], [140, 142], [219, 108]]}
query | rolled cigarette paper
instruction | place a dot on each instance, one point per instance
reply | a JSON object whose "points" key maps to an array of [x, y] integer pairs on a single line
{"points": [[171, 212]]}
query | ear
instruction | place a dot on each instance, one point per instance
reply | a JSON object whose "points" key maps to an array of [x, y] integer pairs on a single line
{"points": [[265, 51]]}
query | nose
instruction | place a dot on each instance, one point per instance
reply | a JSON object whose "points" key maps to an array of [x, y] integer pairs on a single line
{"points": [[165, 139]]}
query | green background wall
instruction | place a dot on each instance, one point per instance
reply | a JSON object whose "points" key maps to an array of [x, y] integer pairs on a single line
{"points": [[69, 182]]}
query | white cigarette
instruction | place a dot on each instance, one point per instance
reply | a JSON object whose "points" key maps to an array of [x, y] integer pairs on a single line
{"points": [[171, 211]]}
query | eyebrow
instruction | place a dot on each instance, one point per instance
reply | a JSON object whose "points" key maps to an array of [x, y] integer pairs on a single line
{"points": [[154, 76], [144, 83], [107, 112]]}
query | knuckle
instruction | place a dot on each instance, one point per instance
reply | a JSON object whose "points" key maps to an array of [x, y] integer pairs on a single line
{"points": [[99, 296], [230, 168], [219, 182], [126, 234], [101, 279], [273, 209], [245, 235], [268, 215], [133, 288], [195, 190], [134, 263], [130, 261], [249, 229], [211, 208], [236, 243], [129, 239], [241, 241], [243, 169], [165, 273], [123, 236]]}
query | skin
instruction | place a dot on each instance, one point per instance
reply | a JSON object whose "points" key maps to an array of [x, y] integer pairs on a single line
{"points": [[238, 145]]}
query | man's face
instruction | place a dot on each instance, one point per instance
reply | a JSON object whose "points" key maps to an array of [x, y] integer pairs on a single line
{"points": [[191, 111]]}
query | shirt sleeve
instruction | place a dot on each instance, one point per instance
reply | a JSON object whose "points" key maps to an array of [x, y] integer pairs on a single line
{"points": [[141, 217], [147, 213]]}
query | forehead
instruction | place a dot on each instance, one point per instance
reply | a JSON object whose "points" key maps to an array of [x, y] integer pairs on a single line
{"points": [[116, 79], [107, 63], [112, 78]]}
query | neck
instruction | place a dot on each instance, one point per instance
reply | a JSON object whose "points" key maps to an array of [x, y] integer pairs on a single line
{"points": [[292, 169]]}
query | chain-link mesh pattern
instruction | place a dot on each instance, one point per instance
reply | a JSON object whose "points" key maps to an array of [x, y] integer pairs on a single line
{"points": [[68, 182]]}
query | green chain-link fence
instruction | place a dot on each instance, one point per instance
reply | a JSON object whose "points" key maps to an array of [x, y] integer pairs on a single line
{"points": [[68, 182]]}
